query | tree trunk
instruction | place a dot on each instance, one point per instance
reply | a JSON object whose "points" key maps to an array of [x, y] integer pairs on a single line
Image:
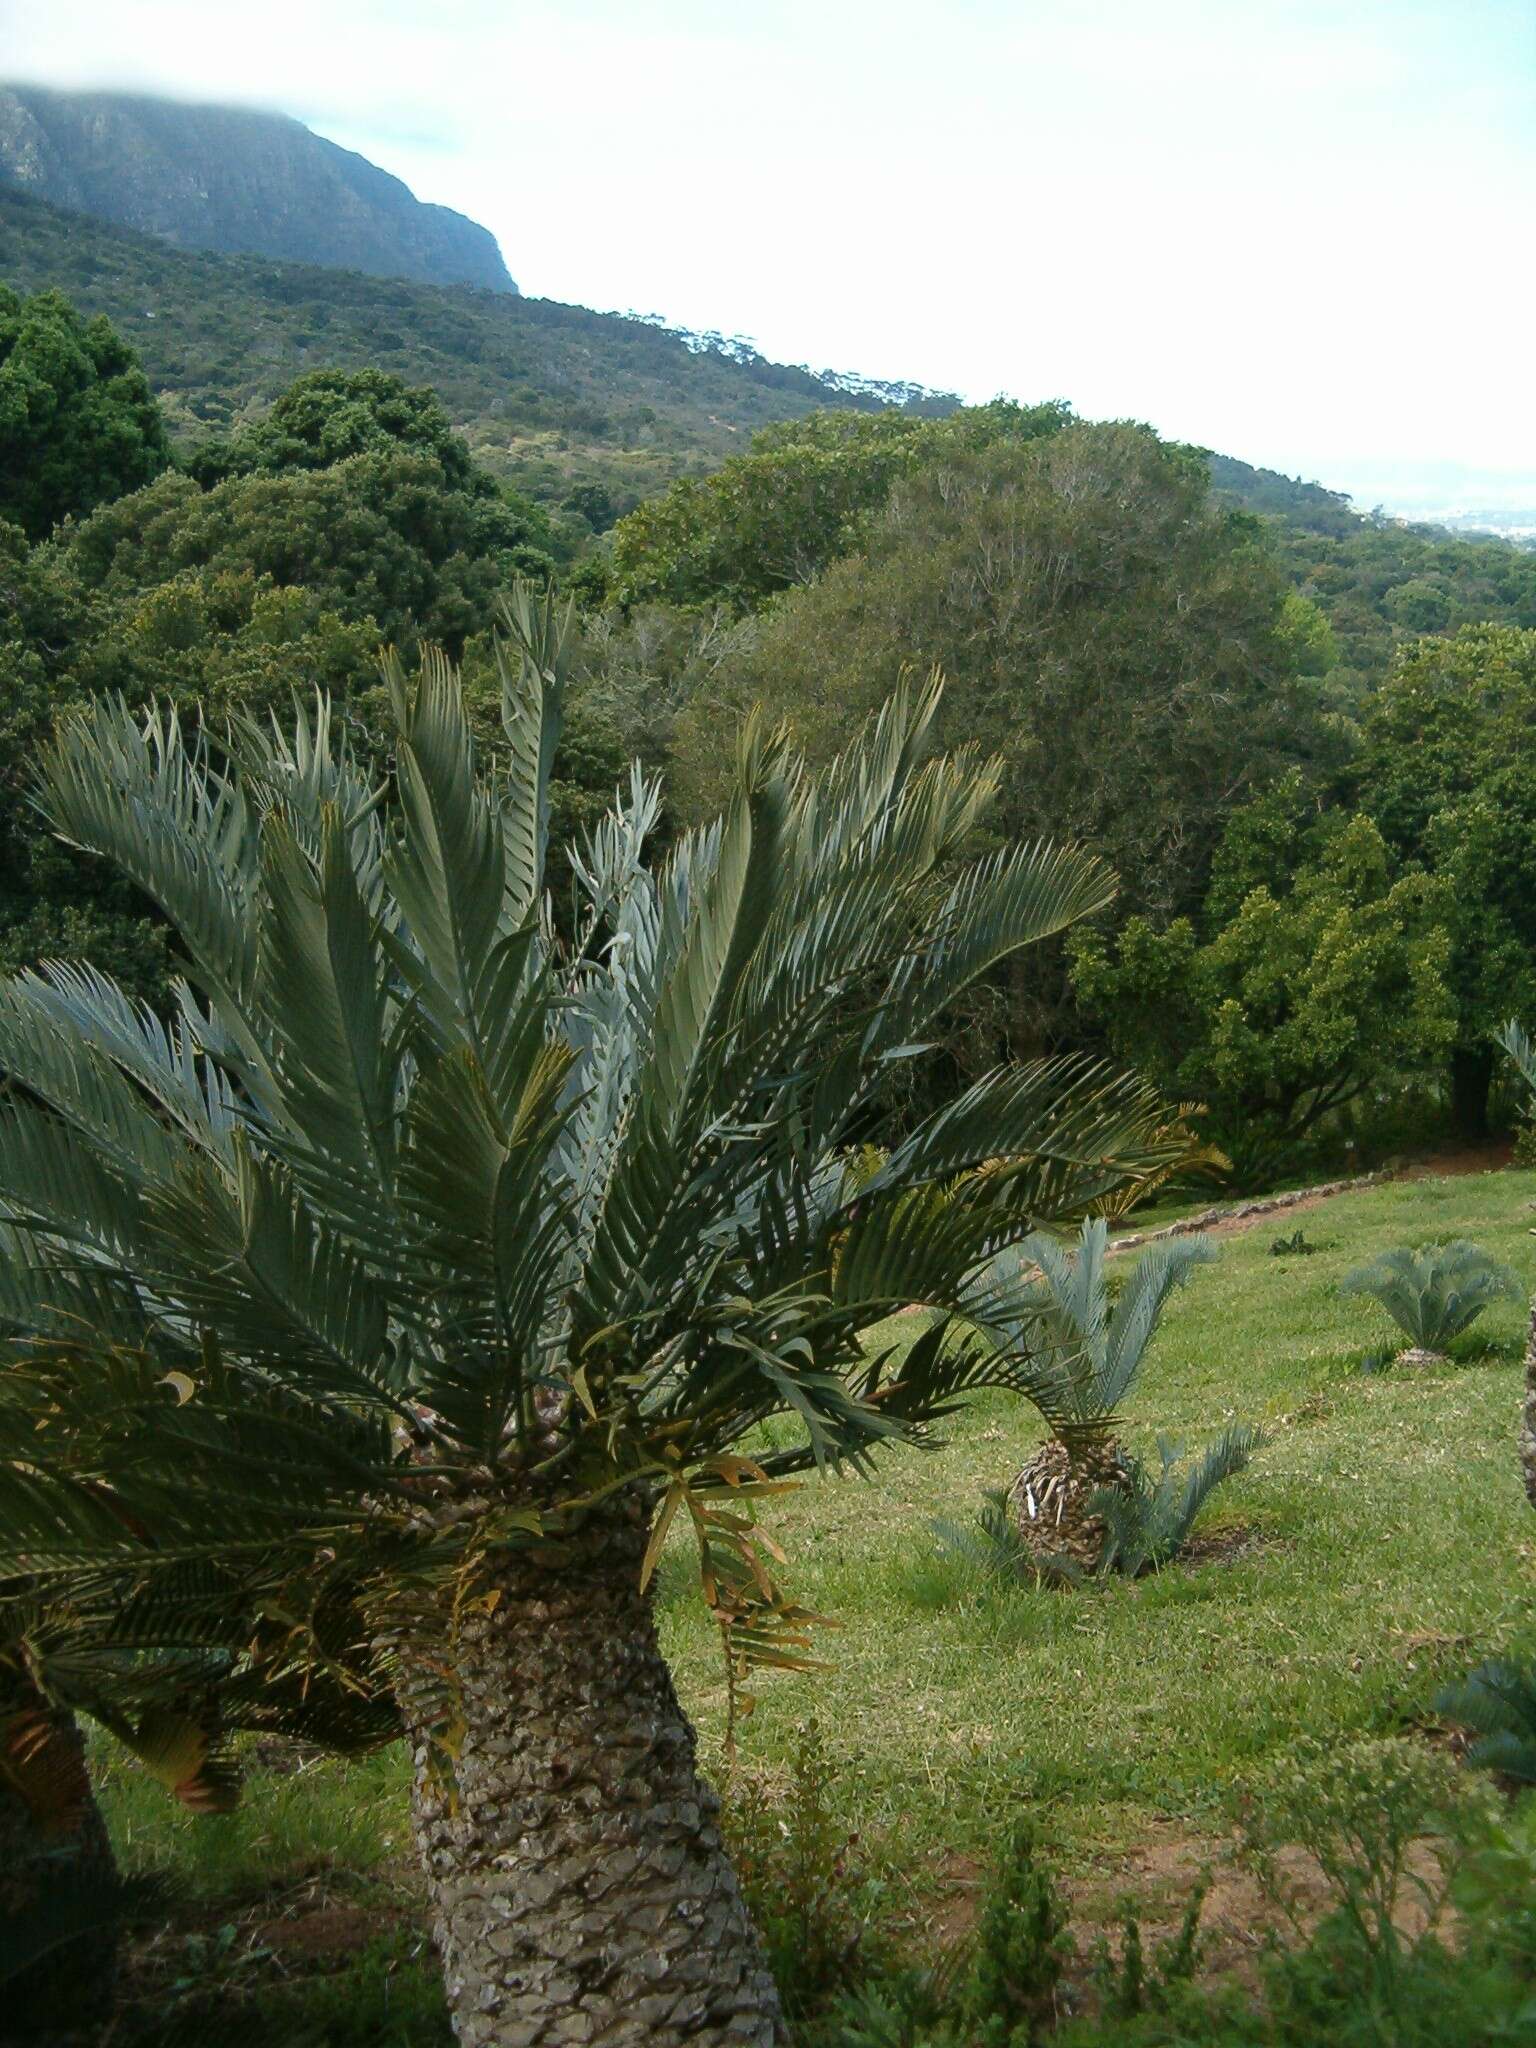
{"points": [[1528, 1415], [1471, 1079], [58, 1877], [581, 1892]]}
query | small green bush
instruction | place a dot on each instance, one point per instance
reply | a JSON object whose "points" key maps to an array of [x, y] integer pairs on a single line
{"points": [[801, 1874], [1021, 1945], [1373, 1816]]}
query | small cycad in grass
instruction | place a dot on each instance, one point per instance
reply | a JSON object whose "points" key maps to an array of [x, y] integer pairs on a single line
{"points": [[993, 1544], [1496, 1704], [1148, 1523], [1092, 1353], [1141, 1524], [1433, 1294]]}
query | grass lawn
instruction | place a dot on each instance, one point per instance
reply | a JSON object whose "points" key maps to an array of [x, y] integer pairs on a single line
{"points": [[1388, 1546]]}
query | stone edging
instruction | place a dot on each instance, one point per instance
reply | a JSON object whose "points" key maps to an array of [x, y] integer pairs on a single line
{"points": [[1264, 1206]]}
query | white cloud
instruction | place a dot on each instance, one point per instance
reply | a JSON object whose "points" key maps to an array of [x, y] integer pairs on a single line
{"points": [[1286, 228]]}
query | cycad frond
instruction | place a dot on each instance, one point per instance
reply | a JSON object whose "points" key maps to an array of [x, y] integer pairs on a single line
{"points": [[1156, 1274], [422, 1229], [1517, 1042], [1148, 1523], [150, 802], [532, 659], [1497, 1703], [1091, 1351]]}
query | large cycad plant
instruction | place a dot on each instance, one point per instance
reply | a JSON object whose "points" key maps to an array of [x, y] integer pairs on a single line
{"points": [[373, 1320]]}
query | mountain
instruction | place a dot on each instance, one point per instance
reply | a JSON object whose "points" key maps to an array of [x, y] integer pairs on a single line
{"points": [[241, 182], [550, 397]]}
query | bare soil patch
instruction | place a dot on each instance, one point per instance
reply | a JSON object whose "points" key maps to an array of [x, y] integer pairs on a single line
{"points": [[1156, 1879]]}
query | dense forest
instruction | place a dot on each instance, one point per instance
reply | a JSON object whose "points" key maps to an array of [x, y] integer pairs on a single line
{"points": [[1300, 736]]}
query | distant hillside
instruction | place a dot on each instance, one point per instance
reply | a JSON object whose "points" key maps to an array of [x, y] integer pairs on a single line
{"points": [[229, 179], [551, 397], [1311, 506]]}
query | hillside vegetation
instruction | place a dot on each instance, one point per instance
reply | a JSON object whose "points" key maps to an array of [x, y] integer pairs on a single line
{"points": [[550, 397], [1372, 1552], [594, 412], [529, 1027]]}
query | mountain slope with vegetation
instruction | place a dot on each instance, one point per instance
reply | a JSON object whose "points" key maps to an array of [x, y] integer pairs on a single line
{"points": [[552, 398], [233, 179]]}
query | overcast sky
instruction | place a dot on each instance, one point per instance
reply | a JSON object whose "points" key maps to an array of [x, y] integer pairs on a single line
{"points": [[1296, 230]]}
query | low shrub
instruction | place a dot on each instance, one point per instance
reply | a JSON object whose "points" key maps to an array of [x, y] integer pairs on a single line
{"points": [[803, 1877]]}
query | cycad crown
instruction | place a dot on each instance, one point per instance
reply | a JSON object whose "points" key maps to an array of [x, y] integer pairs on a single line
{"points": [[414, 1201], [1092, 1351], [1435, 1292]]}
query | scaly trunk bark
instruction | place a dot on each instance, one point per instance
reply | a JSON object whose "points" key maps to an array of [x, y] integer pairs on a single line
{"points": [[1528, 1415], [1048, 1500], [581, 1892], [57, 1872]]}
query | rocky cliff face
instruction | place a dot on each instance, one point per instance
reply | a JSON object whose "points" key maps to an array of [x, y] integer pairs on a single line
{"points": [[225, 178]]}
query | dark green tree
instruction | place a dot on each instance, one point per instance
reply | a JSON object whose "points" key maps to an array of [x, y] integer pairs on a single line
{"points": [[389, 536], [54, 902], [78, 422], [800, 499], [1115, 638], [328, 416], [1448, 770], [1295, 994]]}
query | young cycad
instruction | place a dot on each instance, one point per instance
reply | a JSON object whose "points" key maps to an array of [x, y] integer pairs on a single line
{"points": [[1149, 1522], [1433, 1294], [1496, 1704], [1093, 1352]]}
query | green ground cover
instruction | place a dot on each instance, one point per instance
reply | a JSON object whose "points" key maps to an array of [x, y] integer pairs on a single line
{"points": [[1380, 1545]]}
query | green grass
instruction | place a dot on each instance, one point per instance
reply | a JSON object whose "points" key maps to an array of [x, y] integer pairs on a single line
{"points": [[1391, 1548], [1389, 1516], [327, 1816]]}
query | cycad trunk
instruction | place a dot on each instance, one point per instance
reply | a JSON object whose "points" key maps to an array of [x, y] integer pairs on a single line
{"points": [[1528, 1415], [1048, 1500], [581, 1892], [57, 1876]]}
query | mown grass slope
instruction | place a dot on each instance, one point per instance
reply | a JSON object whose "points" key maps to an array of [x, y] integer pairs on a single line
{"points": [[1387, 1547]]}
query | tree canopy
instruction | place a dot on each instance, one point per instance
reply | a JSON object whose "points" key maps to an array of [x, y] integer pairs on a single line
{"points": [[1114, 637], [1294, 995], [78, 422], [799, 500], [1448, 770], [328, 416]]}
